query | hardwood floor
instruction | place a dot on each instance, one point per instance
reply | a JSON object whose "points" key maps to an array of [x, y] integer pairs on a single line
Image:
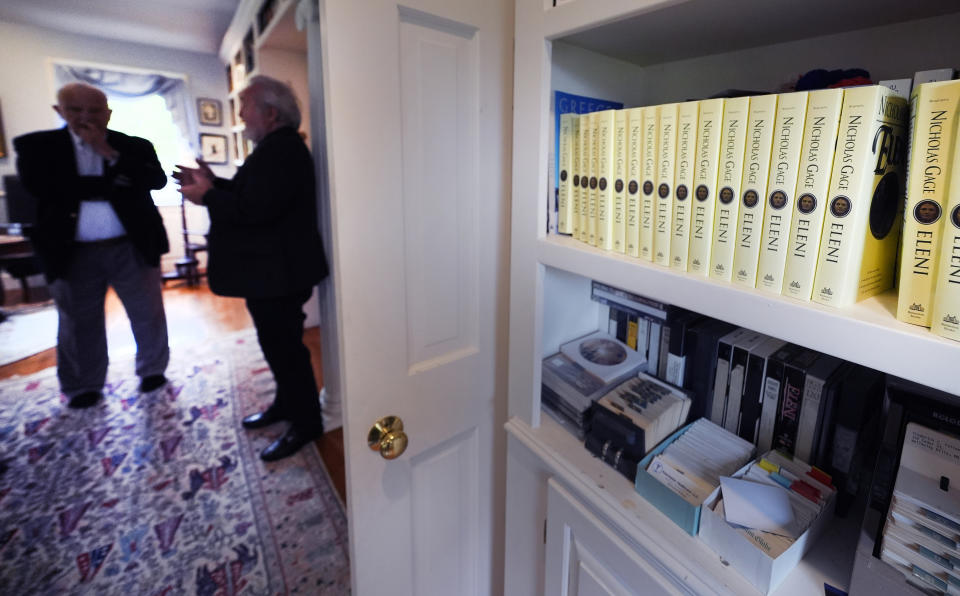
{"points": [[196, 315]]}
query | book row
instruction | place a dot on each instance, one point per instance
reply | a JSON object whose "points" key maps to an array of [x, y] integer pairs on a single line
{"points": [[799, 194]]}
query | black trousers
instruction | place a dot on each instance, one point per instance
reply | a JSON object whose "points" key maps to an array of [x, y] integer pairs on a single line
{"points": [[279, 325]]}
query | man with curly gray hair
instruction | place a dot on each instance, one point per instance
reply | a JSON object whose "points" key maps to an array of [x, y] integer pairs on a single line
{"points": [[264, 246]]}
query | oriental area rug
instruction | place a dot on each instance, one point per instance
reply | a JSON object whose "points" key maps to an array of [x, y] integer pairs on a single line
{"points": [[163, 493]]}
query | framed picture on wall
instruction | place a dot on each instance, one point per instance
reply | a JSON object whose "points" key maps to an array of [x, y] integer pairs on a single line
{"points": [[3, 138], [209, 111], [213, 148]]}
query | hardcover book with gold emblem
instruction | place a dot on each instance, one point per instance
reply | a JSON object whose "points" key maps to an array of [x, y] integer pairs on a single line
{"points": [[933, 114], [585, 163], [687, 117], [861, 226], [764, 117], [729, 179], [705, 185], [605, 152], [564, 202], [946, 300], [634, 177], [666, 167], [648, 185], [620, 181], [575, 168], [813, 183]]}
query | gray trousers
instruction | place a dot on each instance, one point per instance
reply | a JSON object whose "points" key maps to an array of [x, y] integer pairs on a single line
{"points": [[82, 334]]}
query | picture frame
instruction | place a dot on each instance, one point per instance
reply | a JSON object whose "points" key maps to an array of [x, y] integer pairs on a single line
{"points": [[209, 111], [213, 148], [3, 139]]}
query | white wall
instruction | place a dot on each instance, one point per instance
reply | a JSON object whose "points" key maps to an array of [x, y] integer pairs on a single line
{"points": [[26, 92]]}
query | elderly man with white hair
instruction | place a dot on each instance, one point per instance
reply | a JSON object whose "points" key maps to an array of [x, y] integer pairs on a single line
{"points": [[264, 246]]}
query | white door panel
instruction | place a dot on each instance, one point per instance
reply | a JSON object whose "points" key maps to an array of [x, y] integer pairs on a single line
{"points": [[585, 558], [417, 121]]}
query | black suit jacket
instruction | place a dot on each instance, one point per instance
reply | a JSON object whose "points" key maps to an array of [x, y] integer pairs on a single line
{"points": [[48, 169], [263, 239]]}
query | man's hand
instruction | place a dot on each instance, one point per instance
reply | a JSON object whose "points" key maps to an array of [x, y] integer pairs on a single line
{"points": [[194, 182], [96, 138]]}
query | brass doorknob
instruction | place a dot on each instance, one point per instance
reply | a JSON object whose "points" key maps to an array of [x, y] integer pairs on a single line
{"points": [[387, 437]]}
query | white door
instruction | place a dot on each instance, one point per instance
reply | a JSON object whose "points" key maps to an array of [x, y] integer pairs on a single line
{"points": [[418, 129]]}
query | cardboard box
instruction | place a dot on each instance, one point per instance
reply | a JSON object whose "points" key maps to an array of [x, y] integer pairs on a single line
{"points": [[764, 572], [668, 502]]}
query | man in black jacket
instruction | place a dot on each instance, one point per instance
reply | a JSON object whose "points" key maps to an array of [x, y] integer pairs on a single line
{"points": [[97, 226], [264, 246]]}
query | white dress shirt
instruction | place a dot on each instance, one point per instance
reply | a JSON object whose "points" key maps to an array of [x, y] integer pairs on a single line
{"points": [[96, 219]]}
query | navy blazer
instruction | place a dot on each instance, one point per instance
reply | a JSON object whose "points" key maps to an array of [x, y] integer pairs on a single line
{"points": [[47, 167], [263, 240]]}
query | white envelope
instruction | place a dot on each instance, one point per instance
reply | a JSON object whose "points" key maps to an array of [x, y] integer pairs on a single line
{"points": [[759, 506]]}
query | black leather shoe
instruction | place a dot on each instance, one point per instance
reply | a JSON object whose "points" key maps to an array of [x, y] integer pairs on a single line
{"points": [[85, 400], [262, 419], [148, 384], [289, 443]]}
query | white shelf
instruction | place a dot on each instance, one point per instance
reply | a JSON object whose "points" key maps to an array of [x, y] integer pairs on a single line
{"points": [[686, 558], [866, 333], [657, 31]]}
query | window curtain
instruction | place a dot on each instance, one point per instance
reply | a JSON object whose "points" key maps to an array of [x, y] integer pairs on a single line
{"points": [[128, 84]]}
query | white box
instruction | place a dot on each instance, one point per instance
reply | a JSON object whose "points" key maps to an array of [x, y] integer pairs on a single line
{"points": [[764, 572]]}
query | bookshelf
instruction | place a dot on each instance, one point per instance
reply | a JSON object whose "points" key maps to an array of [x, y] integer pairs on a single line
{"points": [[645, 53]]}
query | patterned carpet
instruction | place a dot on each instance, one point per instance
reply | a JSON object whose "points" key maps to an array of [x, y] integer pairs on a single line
{"points": [[163, 493]]}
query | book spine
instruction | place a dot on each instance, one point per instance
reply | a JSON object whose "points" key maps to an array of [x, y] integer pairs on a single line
{"points": [[634, 178], [735, 118], [738, 370], [946, 304], [574, 222], [751, 404], [585, 147], [632, 331], [809, 413], [933, 114], [816, 162], [764, 118], [592, 185], [666, 170], [648, 186], [666, 332], [563, 194], [720, 380], [605, 153], [773, 381], [858, 250], [707, 167], [788, 416], [687, 117], [643, 336], [620, 181], [653, 346], [784, 169]]}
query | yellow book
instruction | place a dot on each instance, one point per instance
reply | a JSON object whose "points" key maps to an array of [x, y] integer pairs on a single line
{"points": [[813, 183], [687, 117], [605, 151], [705, 176], [764, 117], [666, 168], [933, 112], [648, 185], [734, 135], [592, 194], [574, 198], [946, 301], [861, 227], [619, 181], [634, 175], [585, 147], [564, 204]]}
